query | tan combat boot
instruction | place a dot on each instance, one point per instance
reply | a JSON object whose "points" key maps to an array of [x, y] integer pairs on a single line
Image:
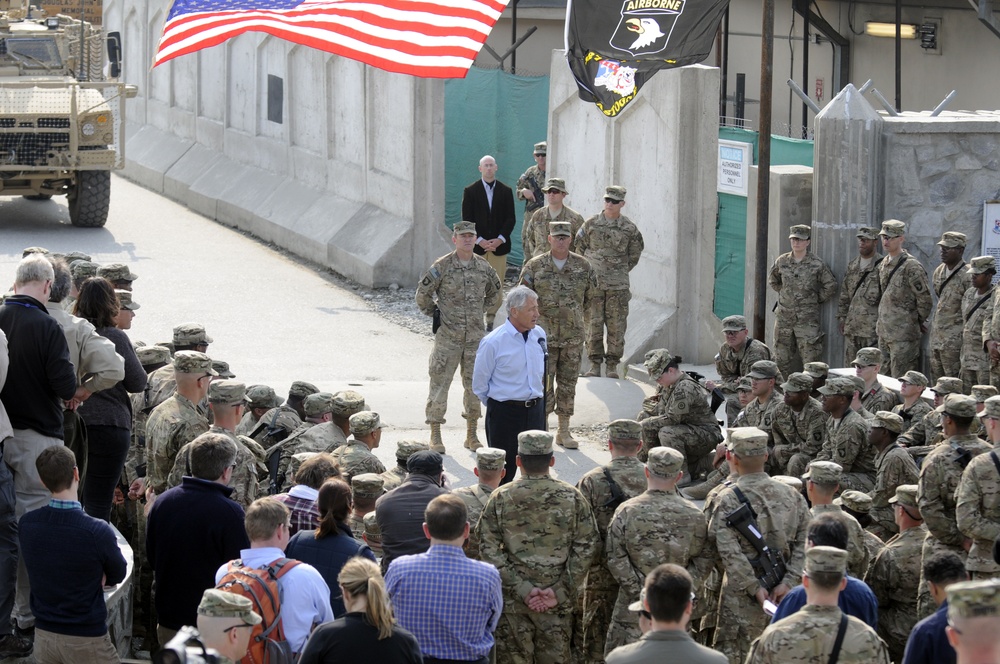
{"points": [[436, 443], [611, 368], [471, 438], [563, 437], [594, 371]]}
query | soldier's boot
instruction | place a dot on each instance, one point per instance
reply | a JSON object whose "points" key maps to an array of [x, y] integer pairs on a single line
{"points": [[701, 491], [471, 438], [595, 369], [563, 437], [685, 479], [611, 370], [436, 443]]}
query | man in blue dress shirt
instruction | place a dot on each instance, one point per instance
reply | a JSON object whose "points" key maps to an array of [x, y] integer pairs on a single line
{"points": [[928, 643]]}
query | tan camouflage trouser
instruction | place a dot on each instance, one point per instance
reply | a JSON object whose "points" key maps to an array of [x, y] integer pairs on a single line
{"points": [[862, 482], [608, 308], [852, 344], [894, 626], [525, 637], [563, 371], [946, 362], [882, 522], [898, 357], [778, 458], [695, 443], [624, 625], [446, 356], [590, 626], [925, 603], [733, 408], [794, 345], [970, 378], [741, 620]]}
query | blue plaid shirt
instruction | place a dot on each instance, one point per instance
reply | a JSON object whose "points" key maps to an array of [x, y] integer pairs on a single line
{"points": [[451, 603]]}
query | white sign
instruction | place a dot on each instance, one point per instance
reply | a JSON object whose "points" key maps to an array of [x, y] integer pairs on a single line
{"points": [[734, 167], [991, 233]]}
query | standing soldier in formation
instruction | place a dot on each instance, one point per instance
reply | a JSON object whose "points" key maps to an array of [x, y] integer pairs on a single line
{"points": [[977, 313], [905, 304], [605, 488], [490, 470], [318, 411], [162, 382], [951, 280], [798, 427], [260, 399], [893, 467], [857, 307], [539, 532], [656, 527], [846, 440], [456, 292], [977, 510], [612, 244], [565, 284], [911, 390], [859, 505], [803, 282], [404, 450], [536, 229], [822, 480], [529, 186], [734, 360], [782, 519], [875, 396], [278, 423]]}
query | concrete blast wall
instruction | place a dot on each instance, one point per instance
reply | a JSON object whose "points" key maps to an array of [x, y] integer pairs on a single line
{"points": [[662, 148], [336, 161]]}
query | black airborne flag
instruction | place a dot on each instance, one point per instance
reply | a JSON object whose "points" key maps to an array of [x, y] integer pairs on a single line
{"points": [[614, 46]]}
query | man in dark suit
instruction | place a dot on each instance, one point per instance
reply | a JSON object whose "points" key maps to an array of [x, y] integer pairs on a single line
{"points": [[489, 204]]}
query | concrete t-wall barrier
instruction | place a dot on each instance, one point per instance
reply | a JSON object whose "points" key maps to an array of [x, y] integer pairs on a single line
{"points": [[338, 162], [662, 148]]}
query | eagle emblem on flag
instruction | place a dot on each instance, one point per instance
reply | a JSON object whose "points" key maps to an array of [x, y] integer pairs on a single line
{"points": [[645, 26]]}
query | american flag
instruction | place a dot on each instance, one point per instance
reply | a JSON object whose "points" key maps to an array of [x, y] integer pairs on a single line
{"points": [[427, 38]]}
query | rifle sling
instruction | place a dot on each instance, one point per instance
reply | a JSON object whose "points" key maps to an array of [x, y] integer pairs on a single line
{"points": [[841, 633], [950, 277], [980, 303]]}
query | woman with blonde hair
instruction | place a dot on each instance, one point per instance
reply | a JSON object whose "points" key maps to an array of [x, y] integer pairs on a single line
{"points": [[368, 631]]}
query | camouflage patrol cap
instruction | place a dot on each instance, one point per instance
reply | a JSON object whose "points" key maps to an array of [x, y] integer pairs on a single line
{"points": [[867, 357], [664, 461], [222, 604], [317, 404], [302, 389], [656, 362], [798, 382], [407, 448], [190, 361], [190, 334], [347, 403], [464, 227], [857, 381], [116, 272], [817, 369], [974, 599], [557, 228], [991, 408], [367, 485], [624, 430], [952, 239], [763, 369], [914, 378], [152, 355], [826, 473], [788, 480], [826, 559], [856, 501], [982, 264], [744, 385], [261, 396], [747, 441], [893, 228], [534, 442], [71, 256], [906, 495], [425, 462], [959, 405], [80, 270], [34, 250], [227, 391], [615, 192], [867, 233], [888, 420], [125, 300], [838, 386], [983, 392], [948, 385], [490, 458], [365, 422], [557, 184], [373, 535], [734, 323], [541, 147], [222, 367], [800, 232]]}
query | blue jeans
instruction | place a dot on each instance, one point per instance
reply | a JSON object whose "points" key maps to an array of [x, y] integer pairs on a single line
{"points": [[8, 546]]}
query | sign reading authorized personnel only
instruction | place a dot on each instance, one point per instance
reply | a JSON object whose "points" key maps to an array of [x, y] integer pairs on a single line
{"points": [[734, 167]]}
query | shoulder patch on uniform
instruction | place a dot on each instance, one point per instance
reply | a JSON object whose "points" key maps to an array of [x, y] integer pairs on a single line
{"points": [[426, 281], [434, 272]]}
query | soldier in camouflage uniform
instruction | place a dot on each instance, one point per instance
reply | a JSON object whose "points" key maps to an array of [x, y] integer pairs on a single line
{"points": [[875, 396], [120, 276], [977, 510], [278, 423], [628, 476], [858, 505], [490, 470], [924, 434], [857, 307], [539, 532], [260, 399], [678, 415], [940, 475], [803, 282], [734, 360], [951, 279], [808, 635], [162, 382], [819, 372], [176, 421], [366, 488], [822, 481], [318, 409], [974, 619], [404, 450], [356, 456], [798, 427], [847, 436], [760, 411], [905, 304], [613, 245], [977, 313], [565, 284], [656, 527], [460, 286], [896, 572], [536, 229], [529, 185], [782, 518], [373, 535], [893, 467], [911, 389]]}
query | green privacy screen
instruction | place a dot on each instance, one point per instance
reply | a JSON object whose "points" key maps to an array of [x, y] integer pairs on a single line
{"points": [[492, 112], [731, 223]]}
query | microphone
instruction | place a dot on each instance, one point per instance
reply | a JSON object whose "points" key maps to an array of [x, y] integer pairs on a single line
{"points": [[545, 348]]}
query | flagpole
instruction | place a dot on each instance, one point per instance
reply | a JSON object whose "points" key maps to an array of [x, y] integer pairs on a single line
{"points": [[763, 167]]}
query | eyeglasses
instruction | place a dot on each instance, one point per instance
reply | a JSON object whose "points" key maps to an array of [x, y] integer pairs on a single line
{"points": [[229, 629], [645, 614], [612, 201], [732, 333]]}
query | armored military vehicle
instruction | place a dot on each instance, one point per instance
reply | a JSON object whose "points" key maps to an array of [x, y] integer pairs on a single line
{"points": [[62, 110]]}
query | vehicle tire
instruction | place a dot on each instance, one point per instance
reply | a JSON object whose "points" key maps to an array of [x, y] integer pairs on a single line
{"points": [[90, 198], [37, 197]]}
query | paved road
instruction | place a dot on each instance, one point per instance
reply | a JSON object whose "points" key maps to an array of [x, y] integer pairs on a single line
{"points": [[276, 319]]}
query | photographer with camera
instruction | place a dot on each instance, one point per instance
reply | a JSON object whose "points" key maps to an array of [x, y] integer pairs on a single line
{"points": [[225, 624]]}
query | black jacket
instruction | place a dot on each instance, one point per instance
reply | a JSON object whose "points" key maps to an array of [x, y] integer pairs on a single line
{"points": [[493, 222], [400, 517]]}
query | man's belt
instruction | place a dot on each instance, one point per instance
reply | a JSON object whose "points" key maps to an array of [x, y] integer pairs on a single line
{"points": [[530, 403]]}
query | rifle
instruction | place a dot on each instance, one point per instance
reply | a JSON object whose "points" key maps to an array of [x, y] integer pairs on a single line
{"points": [[617, 496], [769, 567], [436, 321], [718, 398]]}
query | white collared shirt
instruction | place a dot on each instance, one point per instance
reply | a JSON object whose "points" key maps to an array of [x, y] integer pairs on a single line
{"points": [[508, 368]]}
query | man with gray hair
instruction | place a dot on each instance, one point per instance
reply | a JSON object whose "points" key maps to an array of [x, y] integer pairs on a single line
{"points": [[508, 376]]}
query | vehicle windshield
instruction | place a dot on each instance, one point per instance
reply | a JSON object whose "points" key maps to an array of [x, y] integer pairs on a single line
{"points": [[32, 52]]}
